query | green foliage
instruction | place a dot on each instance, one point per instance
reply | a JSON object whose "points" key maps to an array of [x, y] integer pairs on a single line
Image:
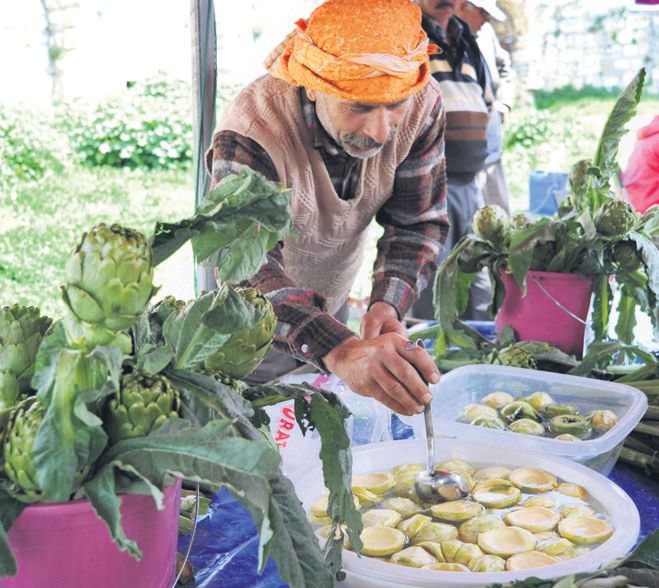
{"points": [[531, 128], [148, 127], [554, 99], [244, 218], [29, 149]]}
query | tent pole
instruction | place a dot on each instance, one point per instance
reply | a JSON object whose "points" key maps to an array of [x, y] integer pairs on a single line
{"points": [[204, 83]]}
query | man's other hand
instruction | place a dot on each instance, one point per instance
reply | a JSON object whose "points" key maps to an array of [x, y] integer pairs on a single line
{"points": [[389, 368], [381, 318]]}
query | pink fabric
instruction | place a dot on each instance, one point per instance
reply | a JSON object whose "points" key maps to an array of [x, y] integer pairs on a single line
{"points": [[641, 178]]}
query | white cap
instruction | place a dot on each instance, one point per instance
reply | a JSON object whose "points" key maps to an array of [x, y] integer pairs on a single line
{"points": [[490, 6]]}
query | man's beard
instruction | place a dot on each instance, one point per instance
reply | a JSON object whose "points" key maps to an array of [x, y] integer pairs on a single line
{"points": [[361, 147]]}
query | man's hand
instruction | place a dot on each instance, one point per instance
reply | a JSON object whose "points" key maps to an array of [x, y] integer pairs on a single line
{"points": [[389, 368], [381, 318]]}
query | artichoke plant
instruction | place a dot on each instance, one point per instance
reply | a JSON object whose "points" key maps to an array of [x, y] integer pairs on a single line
{"points": [[245, 349], [19, 438], [21, 331], [142, 404], [109, 282]]}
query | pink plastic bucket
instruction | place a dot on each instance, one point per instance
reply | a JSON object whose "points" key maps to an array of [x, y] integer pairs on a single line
{"points": [[67, 546], [554, 309]]}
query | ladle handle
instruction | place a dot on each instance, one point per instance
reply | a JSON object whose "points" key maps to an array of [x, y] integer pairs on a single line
{"points": [[430, 439]]}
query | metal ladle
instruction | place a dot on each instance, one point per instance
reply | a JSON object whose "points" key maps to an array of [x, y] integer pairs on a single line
{"points": [[437, 485]]}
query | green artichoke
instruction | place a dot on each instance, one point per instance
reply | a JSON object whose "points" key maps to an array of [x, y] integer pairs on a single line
{"points": [[626, 256], [514, 356], [142, 404], [109, 281], [244, 351], [615, 218], [21, 432], [543, 254], [492, 224], [21, 330], [521, 221]]}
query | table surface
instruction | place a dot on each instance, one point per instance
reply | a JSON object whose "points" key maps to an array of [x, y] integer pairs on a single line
{"points": [[224, 553]]}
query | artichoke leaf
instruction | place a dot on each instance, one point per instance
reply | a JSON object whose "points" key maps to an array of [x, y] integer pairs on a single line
{"points": [[102, 495], [187, 335], [71, 436], [327, 414], [230, 313], [522, 245], [245, 216], [650, 256], [10, 509], [614, 128], [602, 301], [236, 262], [450, 292]]}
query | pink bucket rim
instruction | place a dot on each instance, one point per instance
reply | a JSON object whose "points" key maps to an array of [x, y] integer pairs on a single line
{"points": [[552, 275], [82, 504]]}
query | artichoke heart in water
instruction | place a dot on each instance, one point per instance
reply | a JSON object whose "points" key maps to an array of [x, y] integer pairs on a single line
{"points": [[515, 519]]}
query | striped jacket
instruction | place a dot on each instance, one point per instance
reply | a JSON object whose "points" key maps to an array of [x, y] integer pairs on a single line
{"points": [[467, 97]]}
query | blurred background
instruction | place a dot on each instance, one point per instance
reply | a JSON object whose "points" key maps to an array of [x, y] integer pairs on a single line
{"points": [[96, 112]]}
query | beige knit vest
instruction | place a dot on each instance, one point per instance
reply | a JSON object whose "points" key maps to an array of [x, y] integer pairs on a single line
{"points": [[326, 251]]}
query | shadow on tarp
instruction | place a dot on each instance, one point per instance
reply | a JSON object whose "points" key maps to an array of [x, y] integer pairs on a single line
{"points": [[225, 550]]}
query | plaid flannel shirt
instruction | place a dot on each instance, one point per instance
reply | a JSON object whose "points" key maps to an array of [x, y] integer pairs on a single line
{"points": [[414, 221]]}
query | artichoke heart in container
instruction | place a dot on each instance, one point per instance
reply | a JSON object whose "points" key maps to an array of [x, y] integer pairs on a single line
{"points": [[526, 519], [583, 419]]}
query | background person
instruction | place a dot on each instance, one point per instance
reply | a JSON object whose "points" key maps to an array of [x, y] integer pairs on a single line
{"points": [[477, 14], [641, 176], [460, 71]]}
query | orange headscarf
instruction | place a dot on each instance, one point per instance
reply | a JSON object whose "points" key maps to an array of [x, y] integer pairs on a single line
{"points": [[361, 50]]}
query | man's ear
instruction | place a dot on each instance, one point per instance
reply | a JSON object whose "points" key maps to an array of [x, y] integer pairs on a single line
{"points": [[311, 95]]}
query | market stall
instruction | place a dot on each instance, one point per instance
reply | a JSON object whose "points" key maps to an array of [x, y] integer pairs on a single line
{"points": [[119, 420]]}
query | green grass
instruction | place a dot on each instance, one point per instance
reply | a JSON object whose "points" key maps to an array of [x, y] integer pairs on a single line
{"points": [[42, 222]]}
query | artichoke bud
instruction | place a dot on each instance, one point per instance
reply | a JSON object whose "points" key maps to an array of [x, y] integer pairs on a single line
{"points": [[521, 221], [109, 279], [626, 256], [143, 404], [18, 466], [244, 351], [514, 356], [492, 224], [21, 330], [615, 218], [167, 306]]}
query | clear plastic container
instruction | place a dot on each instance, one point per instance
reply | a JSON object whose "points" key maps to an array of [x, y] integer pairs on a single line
{"points": [[471, 383], [605, 496]]}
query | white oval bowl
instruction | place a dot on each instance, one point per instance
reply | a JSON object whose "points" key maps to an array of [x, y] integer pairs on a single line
{"points": [[364, 572]]}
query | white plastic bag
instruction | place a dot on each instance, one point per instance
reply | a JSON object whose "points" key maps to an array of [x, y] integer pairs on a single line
{"points": [[370, 422]]}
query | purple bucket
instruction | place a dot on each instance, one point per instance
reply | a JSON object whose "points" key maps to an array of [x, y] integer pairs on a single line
{"points": [[554, 309], [67, 545]]}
